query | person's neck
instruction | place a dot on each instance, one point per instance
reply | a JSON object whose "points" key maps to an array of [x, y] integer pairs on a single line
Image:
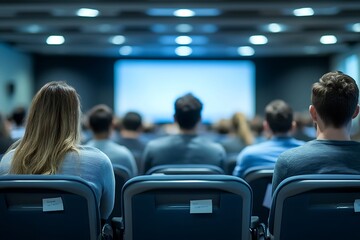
{"points": [[101, 136], [129, 134], [330, 133], [188, 131]]}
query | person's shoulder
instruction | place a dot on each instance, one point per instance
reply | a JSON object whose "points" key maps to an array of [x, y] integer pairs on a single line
{"points": [[9, 155], [299, 151], [5, 162], [120, 148], [161, 141], [256, 148], [90, 152]]}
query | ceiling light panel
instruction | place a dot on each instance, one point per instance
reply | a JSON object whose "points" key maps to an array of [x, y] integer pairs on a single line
{"points": [[183, 51], [246, 51], [303, 12], [258, 40], [328, 39], [55, 40], [87, 12]]}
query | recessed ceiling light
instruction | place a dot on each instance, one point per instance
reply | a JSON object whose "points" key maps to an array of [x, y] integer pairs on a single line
{"points": [[328, 39], [183, 51], [184, 13], [184, 28], [246, 51], [258, 39], [356, 27], [55, 40], [87, 12], [125, 50], [275, 27], [183, 40], [117, 40], [303, 12]]}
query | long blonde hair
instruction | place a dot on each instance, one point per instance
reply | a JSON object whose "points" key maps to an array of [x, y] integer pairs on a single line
{"points": [[52, 130], [242, 128]]}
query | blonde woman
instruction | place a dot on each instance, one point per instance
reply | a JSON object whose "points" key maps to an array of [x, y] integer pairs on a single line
{"points": [[50, 145]]}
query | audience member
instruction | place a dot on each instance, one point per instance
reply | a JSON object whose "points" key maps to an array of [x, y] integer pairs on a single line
{"points": [[334, 101], [5, 140], [257, 129], [50, 145], [302, 124], [187, 147], [279, 123], [100, 120], [130, 133], [18, 117], [240, 135]]}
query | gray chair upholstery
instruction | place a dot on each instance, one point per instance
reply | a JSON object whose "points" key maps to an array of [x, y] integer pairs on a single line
{"points": [[182, 169], [260, 181], [27, 205], [163, 207], [321, 206]]}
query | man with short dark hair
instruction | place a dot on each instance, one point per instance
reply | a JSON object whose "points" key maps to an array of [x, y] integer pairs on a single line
{"points": [[334, 104], [130, 135], [279, 123], [187, 147], [100, 120]]}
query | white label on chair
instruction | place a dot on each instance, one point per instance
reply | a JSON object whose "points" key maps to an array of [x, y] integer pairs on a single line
{"points": [[268, 196], [53, 204], [357, 205], [201, 206]]}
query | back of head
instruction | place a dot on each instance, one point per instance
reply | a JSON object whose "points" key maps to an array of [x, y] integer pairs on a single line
{"points": [[188, 111], [52, 130], [132, 121], [100, 119], [18, 116], [335, 98], [279, 116]]}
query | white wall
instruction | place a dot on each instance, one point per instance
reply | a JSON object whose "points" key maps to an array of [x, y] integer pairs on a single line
{"points": [[16, 69]]}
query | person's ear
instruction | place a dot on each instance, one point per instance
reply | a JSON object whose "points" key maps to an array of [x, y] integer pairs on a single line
{"points": [[266, 126], [293, 126], [356, 112], [313, 113]]}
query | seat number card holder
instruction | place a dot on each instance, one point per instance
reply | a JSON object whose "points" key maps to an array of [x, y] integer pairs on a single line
{"points": [[201, 206], [53, 204]]}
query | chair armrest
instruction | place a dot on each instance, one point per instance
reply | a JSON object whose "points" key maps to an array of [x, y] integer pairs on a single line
{"points": [[118, 227], [257, 229]]}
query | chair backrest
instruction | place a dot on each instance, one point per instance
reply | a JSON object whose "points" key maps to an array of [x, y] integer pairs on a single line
{"points": [[260, 181], [122, 174], [47, 207], [183, 169], [322, 206], [191, 207]]}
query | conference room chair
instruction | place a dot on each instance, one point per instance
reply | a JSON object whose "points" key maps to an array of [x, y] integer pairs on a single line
{"points": [[230, 163], [191, 207], [176, 169], [260, 180], [122, 174], [55, 207], [322, 206]]}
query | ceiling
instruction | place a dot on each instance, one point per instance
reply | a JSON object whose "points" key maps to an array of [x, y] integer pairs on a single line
{"points": [[148, 28]]}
